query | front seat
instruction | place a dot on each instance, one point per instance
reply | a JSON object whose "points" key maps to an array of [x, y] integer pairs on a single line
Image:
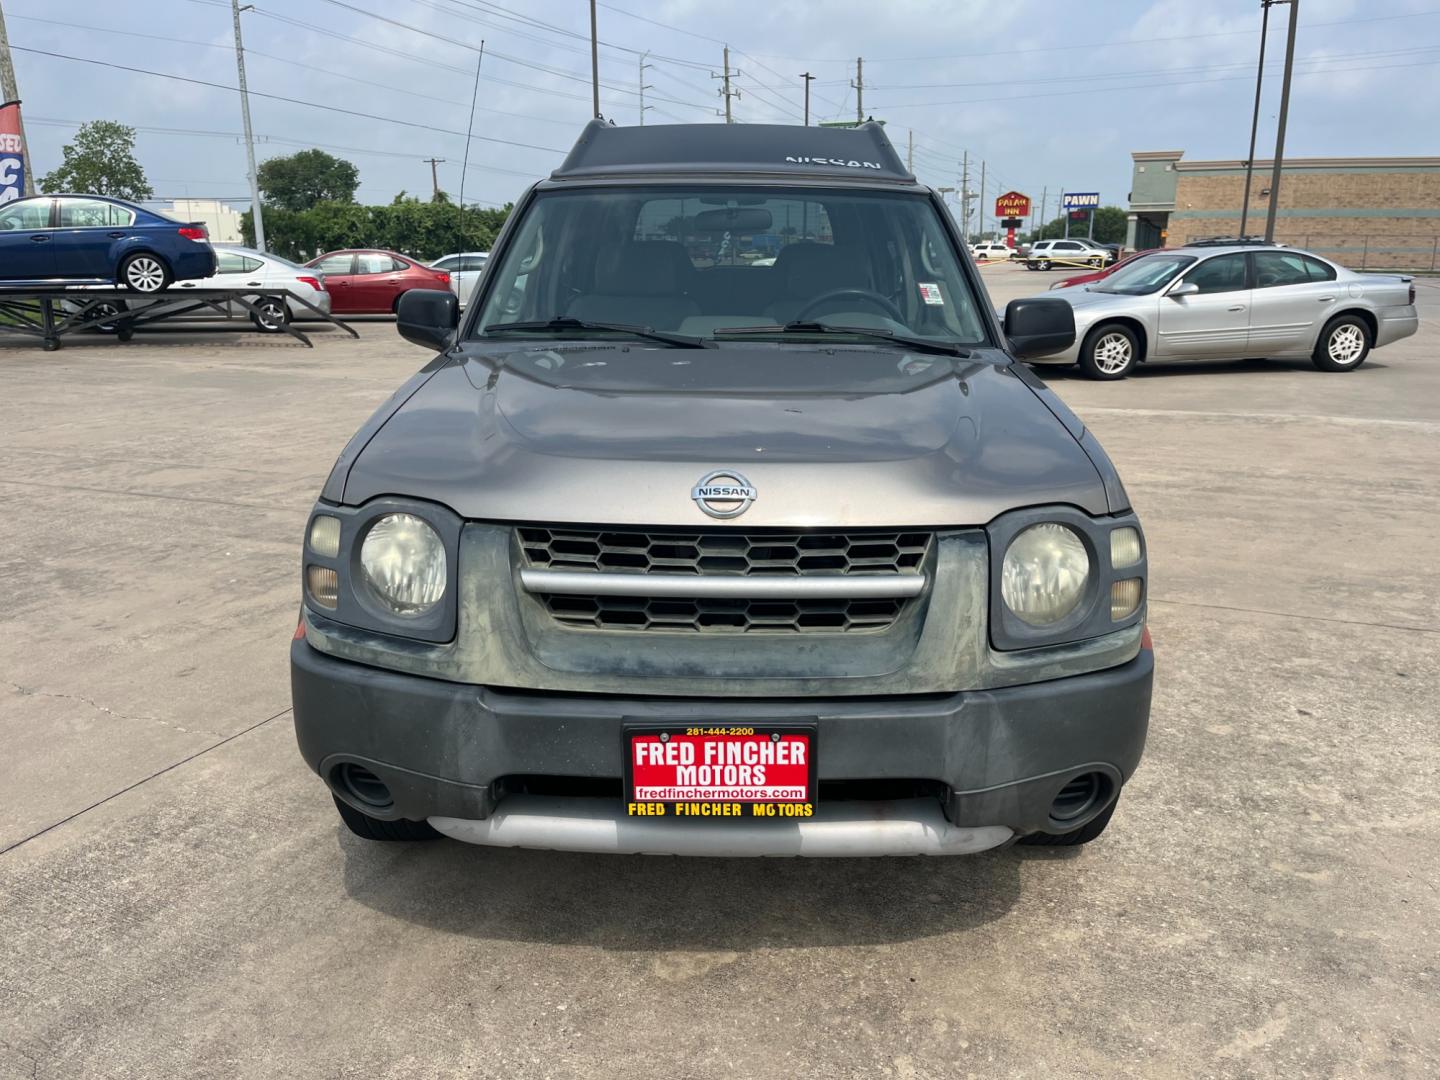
{"points": [[808, 270], [644, 285]]}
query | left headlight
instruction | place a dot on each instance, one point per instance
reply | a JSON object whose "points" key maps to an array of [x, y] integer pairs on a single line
{"points": [[1044, 573], [403, 561]]}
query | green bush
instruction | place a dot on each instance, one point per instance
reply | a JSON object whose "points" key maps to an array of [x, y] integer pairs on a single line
{"points": [[422, 230]]}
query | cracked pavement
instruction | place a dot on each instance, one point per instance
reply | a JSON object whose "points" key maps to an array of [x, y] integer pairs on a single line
{"points": [[177, 897]]}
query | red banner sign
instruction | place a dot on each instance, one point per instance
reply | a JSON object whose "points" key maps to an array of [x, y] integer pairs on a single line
{"points": [[1012, 204], [12, 153]]}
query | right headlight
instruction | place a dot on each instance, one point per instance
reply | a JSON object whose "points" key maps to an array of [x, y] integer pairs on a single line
{"points": [[403, 561], [1044, 574]]}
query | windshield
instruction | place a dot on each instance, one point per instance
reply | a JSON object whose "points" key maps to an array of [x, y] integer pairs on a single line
{"points": [[1145, 275], [697, 261]]}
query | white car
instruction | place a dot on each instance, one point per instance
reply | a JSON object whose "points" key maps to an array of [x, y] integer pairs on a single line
{"points": [[465, 268], [991, 251], [248, 271]]}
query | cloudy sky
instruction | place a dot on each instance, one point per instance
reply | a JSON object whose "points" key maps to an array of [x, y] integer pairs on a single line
{"points": [[1048, 93]]}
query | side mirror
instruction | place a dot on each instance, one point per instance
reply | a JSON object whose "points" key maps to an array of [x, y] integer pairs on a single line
{"points": [[1039, 325], [1185, 288], [428, 317]]}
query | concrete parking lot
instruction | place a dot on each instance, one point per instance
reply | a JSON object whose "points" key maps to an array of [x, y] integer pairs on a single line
{"points": [[179, 899]]}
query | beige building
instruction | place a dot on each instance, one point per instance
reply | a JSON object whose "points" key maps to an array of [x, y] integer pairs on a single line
{"points": [[221, 220], [1362, 212]]}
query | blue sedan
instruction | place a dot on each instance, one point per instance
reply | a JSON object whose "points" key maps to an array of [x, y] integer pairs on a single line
{"points": [[91, 239]]}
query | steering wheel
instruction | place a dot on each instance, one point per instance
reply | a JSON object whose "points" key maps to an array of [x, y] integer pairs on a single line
{"points": [[877, 299]]}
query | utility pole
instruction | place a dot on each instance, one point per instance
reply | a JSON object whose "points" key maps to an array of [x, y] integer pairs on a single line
{"points": [[1044, 195], [594, 63], [725, 90], [1255, 119], [643, 87], [434, 174], [808, 80], [859, 87], [255, 209], [9, 92], [965, 195], [910, 153], [1280, 128], [980, 203]]}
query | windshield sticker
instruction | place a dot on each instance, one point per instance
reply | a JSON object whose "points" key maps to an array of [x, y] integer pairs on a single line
{"points": [[930, 293]]}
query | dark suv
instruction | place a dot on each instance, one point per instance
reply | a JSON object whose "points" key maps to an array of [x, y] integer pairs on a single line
{"points": [[671, 550]]}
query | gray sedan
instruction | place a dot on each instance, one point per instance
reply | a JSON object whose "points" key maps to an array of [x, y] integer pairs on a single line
{"points": [[1205, 303]]}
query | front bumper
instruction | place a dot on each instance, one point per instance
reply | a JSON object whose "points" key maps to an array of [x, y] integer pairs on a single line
{"points": [[462, 756]]}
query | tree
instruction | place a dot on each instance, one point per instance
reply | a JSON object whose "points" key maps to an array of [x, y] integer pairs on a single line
{"points": [[101, 161], [1110, 222], [300, 181]]}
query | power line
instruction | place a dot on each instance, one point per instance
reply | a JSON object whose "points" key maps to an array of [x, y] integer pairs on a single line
{"points": [[279, 97], [1139, 86]]}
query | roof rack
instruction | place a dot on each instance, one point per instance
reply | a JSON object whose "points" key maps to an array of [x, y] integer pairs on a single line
{"points": [[860, 153], [1232, 241]]}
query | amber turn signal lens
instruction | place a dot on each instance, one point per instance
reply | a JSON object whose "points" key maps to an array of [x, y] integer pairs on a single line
{"points": [[1125, 598], [323, 585]]}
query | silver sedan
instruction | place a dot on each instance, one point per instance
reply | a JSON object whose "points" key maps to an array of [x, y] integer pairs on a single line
{"points": [[1227, 302]]}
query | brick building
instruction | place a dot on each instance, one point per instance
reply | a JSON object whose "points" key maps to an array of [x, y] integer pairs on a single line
{"points": [[1362, 212]]}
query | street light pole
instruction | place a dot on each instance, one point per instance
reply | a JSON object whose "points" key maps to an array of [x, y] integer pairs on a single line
{"points": [[1255, 119], [594, 63], [256, 212], [1280, 128], [808, 79]]}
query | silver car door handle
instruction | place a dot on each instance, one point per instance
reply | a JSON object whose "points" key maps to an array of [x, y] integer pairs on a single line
{"points": [[255, 283], [1237, 307], [1325, 299]]}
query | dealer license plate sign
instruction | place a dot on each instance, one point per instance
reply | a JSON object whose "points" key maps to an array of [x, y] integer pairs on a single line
{"points": [[720, 771]]}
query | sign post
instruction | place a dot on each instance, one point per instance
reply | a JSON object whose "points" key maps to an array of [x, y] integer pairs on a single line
{"points": [[1078, 204], [1010, 208], [12, 153]]}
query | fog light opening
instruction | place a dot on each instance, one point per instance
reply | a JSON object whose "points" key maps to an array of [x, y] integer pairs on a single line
{"points": [[363, 786], [1081, 798]]}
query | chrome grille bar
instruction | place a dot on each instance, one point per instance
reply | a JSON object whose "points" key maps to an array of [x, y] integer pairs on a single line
{"points": [[769, 587]]}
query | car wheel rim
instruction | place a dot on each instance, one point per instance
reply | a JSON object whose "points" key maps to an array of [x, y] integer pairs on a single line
{"points": [[1346, 344], [271, 316], [145, 275], [1112, 353]]}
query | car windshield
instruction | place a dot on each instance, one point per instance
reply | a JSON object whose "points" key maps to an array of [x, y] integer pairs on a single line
{"points": [[1145, 275], [703, 261]]}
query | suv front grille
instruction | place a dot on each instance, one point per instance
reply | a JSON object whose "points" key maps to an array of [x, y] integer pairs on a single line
{"points": [[723, 553]]}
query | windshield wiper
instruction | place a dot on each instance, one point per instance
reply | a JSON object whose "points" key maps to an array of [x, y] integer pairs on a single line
{"points": [[922, 344], [565, 322]]}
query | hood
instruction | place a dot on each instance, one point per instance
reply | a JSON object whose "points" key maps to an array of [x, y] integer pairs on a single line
{"points": [[619, 434]]}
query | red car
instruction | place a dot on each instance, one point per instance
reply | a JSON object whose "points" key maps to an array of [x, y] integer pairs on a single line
{"points": [[370, 282], [1097, 275]]}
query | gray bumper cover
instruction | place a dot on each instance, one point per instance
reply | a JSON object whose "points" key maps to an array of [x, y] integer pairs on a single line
{"points": [[441, 747]]}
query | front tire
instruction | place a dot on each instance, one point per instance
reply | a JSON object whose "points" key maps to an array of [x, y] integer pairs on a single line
{"points": [[369, 828], [1109, 352], [1343, 344], [144, 273]]}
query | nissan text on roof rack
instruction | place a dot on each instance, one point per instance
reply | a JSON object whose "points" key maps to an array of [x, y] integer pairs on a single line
{"points": [[669, 551], [1231, 299]]}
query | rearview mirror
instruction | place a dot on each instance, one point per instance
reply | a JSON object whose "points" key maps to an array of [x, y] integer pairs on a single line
{"points": [[1185, 288], [738, 219], [428, 317], [1039, 325]]}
